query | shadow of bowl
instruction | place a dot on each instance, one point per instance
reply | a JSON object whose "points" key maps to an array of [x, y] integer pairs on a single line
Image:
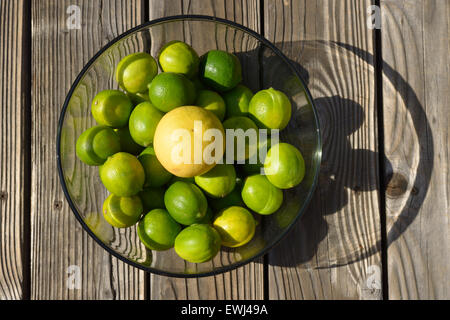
{"points": [[343, 168]]}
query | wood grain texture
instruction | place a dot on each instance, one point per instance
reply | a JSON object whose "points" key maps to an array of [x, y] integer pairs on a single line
{"points": [[245, 282], [416, 82], [58, 240], [245, 12], [334, 250], [13, 144]]}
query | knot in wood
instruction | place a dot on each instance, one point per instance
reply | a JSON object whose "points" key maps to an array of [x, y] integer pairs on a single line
{"points": [[397, 185], [57, 205]]}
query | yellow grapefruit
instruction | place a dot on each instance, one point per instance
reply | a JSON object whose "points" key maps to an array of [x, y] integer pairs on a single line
{"points": [[189, 141]]}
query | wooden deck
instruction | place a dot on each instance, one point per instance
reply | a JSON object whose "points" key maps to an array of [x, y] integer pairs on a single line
{"points": [[378, 225]]}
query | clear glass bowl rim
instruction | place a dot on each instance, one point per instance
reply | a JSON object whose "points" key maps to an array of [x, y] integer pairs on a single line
{"points": [[86, 67]]}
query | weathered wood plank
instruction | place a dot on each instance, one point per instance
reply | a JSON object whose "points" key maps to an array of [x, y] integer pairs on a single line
{"points": [[13, 146], [416, 82], [58, 241], [245, 282], [333, 252]]}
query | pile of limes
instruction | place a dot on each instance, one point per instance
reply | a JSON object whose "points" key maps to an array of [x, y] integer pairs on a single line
{"points": [[194, 205]]}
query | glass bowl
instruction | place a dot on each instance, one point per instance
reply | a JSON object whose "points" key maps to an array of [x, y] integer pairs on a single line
{"points": [[263, 66]]}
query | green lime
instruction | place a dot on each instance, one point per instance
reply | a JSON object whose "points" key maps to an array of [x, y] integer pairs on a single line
{"points": [[220, 70], [137, 98], [284, 166], [122, 212], [198, 243], [208, 218], [122, 174], [178, 57], [135, 72], [127, 143], [260, 195], [155, 174], [143, 122], [235, 225], [185, 202], [211, 101], [219, 181], [96, 144], [255, 168], [271, 109], [245, 140], [157, 230], [171, 90], [152, 198], [111, 108], [237, 101], [232, 199]]}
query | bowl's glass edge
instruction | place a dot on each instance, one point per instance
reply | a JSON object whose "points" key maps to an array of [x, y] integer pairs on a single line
{"points": [[318, 154]]}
